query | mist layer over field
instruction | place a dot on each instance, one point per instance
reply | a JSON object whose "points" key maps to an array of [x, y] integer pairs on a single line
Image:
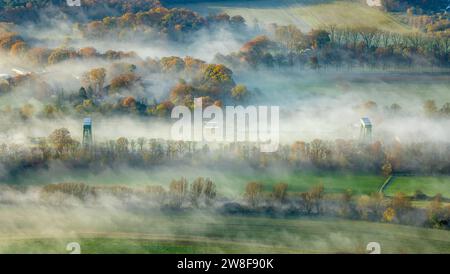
{"points": [[319, 104], [128, 226], [324, 106], [203, 44]]}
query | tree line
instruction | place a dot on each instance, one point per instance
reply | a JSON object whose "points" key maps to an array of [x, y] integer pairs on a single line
{"points": [[176, 24], [201, 194], [333, 47], [142, 153], [20, 11]]}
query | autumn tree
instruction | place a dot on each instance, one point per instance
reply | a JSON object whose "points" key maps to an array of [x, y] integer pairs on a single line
{"points": [[312, 199], [178, 191], [128, 102], [253, 193], [318, 152], [430, 108], [163, 109], [88, 52], [172, 64], [61, 140], [279, 192], [435, 212], [7, 40], [317, 193], [209, 191], [386, 169], [122, 144], [363, 206], [319, 38], [389, 214], [19, 48], [290, 37], [401, 204], [346, 203], [38, 55], [78, 190], [216, 78], [182, 94], [196, 190], [26, 111], [239, 92], [124, 81], [95, 78], [59, 55]]}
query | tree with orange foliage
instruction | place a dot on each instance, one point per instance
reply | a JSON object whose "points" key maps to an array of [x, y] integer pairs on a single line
{"points": [[253, 193], [181, 94], [60, 54], [163, 109], [95, 78], [172, 64], [129, 102], [9, 39], [38, 55], [88, 52], [192, 65], [19, 48], [216, 78], [123, 81]]}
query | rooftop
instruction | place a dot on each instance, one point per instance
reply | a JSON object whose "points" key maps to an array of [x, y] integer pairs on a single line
{"points": [[87, 121], [366, 122]]}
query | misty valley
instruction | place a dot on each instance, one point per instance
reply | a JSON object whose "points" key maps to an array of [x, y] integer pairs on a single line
{"points": [[198, 127]]}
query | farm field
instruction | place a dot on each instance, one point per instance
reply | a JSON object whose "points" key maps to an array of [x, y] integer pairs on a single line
{"points": [[428, 185], [304, 14], [235, 235]]}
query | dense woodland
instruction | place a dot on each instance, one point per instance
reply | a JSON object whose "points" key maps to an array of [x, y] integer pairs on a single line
{"points": [[19, 11], [176, 24], [426, 5]]}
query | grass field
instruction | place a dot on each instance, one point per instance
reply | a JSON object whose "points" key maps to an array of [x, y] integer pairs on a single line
{"points": [[428, 185], [239, 235], [333, 182], [304, 14]]}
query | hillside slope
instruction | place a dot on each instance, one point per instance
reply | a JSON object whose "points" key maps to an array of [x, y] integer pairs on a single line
{"points": [[299, 12]]}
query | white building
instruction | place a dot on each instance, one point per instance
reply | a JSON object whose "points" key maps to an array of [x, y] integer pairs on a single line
{"points": [[374, 3]]}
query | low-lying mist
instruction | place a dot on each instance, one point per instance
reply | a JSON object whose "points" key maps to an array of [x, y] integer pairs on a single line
{"points": [[312, 105]]}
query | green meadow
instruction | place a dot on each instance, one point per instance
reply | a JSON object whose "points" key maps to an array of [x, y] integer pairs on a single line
{"points": [[430, 185], [304, 14], [176, 234]]}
